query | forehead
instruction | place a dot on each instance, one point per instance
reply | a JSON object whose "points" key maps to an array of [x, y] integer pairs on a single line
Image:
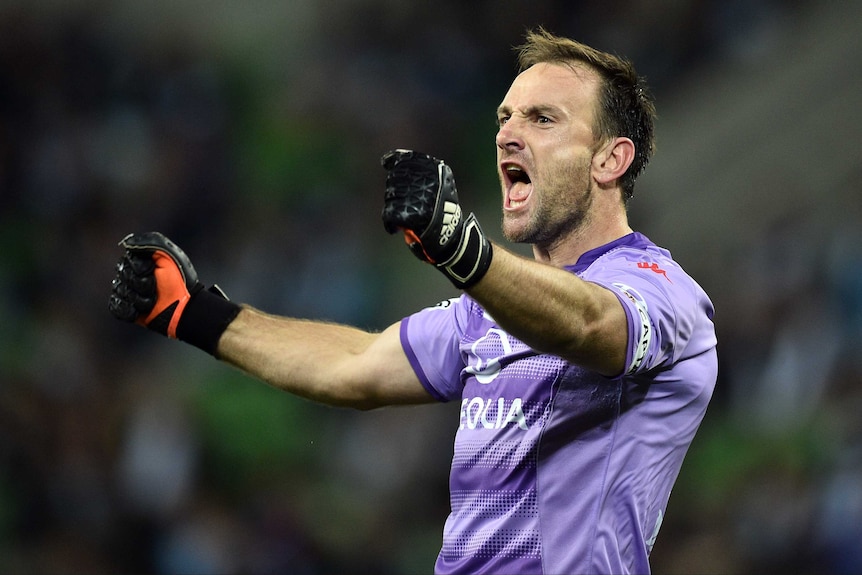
{"points": [[570, 87]]}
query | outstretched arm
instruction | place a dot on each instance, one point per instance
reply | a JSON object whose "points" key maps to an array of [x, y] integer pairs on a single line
{"points": [[324, 362], [157, 286]]}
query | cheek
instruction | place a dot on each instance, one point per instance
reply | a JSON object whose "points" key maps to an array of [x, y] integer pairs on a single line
{"points": [[565, 175]]}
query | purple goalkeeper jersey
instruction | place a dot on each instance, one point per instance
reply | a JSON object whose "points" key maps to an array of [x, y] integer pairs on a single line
{"points": [[558, 469]]}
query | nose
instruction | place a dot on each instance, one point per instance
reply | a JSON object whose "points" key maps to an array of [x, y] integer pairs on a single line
{"points": [[507, 136]]}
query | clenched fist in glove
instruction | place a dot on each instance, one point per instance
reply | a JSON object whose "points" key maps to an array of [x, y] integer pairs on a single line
{"points": [[156, 286], [421, 200]]}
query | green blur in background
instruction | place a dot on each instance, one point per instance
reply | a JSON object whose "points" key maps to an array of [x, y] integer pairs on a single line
{"points": [[250, 133]]}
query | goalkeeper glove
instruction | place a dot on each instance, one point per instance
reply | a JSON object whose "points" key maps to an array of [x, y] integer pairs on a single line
{"points": [[421, 200], [157, 286]]}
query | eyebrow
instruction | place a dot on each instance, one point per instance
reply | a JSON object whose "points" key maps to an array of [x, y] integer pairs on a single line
{"points": [[537, 110]]}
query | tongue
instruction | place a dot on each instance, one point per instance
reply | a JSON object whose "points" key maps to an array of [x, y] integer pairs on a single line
{"points": [[520, 191]]}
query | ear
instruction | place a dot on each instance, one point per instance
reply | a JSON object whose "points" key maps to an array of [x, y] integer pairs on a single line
{"points": [[612, 160]]}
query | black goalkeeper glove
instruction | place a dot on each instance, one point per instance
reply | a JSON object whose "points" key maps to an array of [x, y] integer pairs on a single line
{"points": [[421, 200], [156, 286]]}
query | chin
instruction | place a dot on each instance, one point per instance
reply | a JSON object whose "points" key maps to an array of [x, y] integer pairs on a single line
{"points": [[517, 234]]}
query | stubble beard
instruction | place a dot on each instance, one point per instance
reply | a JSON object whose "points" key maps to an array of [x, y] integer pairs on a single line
{"points": [[557, 211]]}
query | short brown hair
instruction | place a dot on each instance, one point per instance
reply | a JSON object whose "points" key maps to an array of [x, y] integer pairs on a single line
{"points": [[626, 106]]}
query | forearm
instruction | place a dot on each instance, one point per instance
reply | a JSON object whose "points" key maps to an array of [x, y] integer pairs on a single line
{"points": [[554, 311], [324, 362]]}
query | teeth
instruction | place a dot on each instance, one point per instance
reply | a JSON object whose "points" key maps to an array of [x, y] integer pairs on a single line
{"points": [[513, 169]]}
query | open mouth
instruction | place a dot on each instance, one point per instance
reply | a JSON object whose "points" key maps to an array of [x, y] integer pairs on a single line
{"points": [[517, 175], [518, 185]]}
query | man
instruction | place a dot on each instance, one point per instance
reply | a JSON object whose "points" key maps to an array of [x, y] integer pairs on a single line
{"points": [[582, 375]]}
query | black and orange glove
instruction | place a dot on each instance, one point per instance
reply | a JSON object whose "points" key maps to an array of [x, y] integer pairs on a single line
{"points": [[421, 200], [156, 286]]}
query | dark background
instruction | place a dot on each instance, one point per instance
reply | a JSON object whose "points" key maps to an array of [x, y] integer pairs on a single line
{"points": [[250, 133]]}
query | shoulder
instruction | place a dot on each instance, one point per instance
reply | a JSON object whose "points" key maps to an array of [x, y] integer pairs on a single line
{"points": [[457, 314], [643, 263], [656, 291]]}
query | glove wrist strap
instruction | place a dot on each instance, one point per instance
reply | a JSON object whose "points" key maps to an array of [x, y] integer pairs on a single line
{"points": [[205, 318], [472, 258]]}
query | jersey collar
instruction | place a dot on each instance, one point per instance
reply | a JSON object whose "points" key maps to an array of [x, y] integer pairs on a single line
{"points": [[634, 240]]}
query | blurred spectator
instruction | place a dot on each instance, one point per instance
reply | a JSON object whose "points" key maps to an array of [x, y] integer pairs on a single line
{"points": [[256, 148]]}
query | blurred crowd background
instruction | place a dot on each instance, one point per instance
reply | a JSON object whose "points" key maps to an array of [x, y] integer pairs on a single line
{"points": [[250, 133]]}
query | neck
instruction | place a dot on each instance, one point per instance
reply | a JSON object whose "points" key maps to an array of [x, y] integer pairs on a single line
{"points": [[598, 230]]}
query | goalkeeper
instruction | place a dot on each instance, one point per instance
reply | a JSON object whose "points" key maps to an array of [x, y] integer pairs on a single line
{"points": [[582, 374]]}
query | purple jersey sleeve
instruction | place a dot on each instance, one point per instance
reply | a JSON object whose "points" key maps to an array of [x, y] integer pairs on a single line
{"points": [[436, 357], [662, 313]]}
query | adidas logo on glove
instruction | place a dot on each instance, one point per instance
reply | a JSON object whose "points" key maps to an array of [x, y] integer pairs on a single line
{"points": [[451, 219]]}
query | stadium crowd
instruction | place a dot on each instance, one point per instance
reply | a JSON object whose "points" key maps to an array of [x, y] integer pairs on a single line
{"points": [[262, 164]]}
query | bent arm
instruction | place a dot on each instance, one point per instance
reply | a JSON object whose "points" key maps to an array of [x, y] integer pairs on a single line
{"points": [[555, 312], [323, 362]]}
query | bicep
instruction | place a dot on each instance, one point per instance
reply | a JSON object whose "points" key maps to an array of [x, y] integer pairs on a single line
{"points": [[385, 374], [607, 344]]}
